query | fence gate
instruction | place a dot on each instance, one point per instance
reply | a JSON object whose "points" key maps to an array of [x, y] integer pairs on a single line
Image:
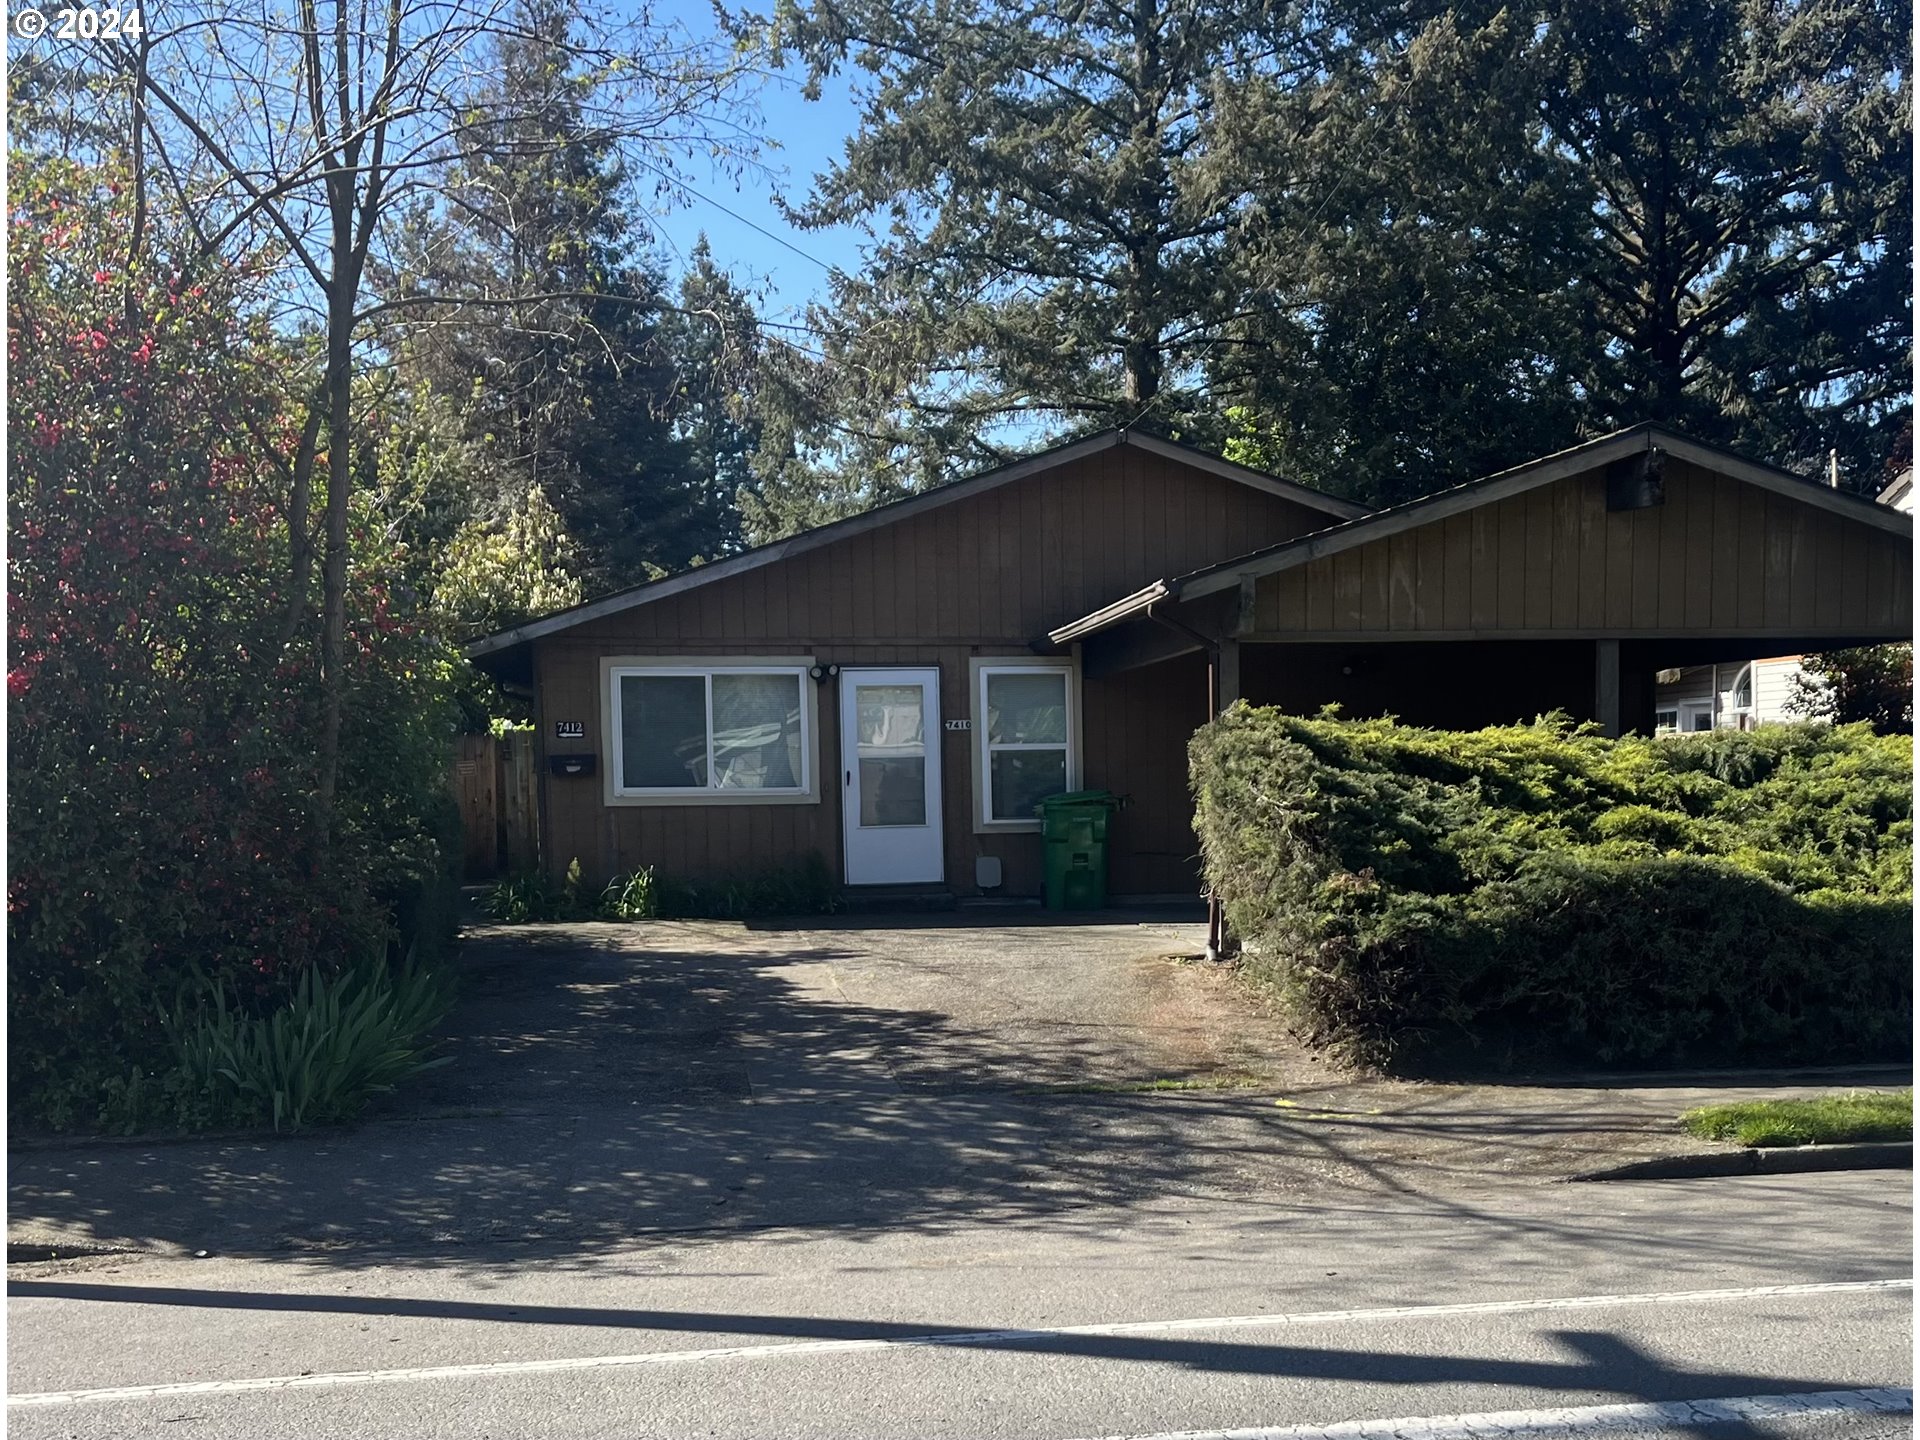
{"points": [[476, 787], [518, 788], [495, 783]]}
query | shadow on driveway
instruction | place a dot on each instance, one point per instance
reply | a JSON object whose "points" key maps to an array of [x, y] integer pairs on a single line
{"points": [[615, 1081]]}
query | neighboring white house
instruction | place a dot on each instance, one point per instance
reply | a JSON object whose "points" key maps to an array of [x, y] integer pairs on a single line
{"points": [[1745, 694], [1724, 697]]}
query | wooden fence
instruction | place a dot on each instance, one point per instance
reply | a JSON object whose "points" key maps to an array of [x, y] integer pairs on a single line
{"points": [[496, 784]]}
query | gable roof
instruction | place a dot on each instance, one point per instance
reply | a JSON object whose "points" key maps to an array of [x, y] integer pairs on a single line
{"points": [[900, 510], [1485, 491]]}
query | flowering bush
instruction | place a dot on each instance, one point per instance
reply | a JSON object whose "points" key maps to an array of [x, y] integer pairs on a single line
{"points": [[160, 731]]}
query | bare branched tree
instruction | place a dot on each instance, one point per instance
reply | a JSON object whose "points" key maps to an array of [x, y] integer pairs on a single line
{"points": [[294, 136]]}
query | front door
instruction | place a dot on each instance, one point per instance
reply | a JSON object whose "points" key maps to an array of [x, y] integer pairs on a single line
{"points": [[890, 776]]}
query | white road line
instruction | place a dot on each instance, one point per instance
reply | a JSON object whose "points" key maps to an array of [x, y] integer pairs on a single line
{"points": [[956, 1338], [1591, 1419]]}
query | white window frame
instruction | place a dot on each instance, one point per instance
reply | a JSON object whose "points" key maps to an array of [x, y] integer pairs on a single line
{"points": [[983, 667], [614, 668], [1674, 711], [1692, 709], [1741, 713]]}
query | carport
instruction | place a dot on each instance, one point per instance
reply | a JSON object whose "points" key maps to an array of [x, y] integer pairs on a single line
{"points": [[1562, 584]]}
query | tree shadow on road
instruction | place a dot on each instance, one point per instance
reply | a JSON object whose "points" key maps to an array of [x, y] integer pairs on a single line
{"points": [[1592, 1362]]}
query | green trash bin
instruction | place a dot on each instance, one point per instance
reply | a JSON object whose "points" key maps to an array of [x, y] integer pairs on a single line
{"points": [[1074, 828]]}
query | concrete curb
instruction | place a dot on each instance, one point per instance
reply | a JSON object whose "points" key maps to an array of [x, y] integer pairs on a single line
{"points": [[1795, 1160], [1893, 1073]]}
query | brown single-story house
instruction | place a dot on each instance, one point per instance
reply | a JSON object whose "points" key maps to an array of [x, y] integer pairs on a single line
{"points": [[895, 691]]}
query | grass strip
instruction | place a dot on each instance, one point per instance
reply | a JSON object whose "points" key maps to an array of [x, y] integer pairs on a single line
{"points": [[1852, 1117]]}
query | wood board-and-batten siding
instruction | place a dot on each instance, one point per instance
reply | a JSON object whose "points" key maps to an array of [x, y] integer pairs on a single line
{"points": [[1718, 558], [978, 577]]}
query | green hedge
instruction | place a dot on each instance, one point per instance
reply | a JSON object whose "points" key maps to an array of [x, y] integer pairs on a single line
{"points": [[1540, 894]]}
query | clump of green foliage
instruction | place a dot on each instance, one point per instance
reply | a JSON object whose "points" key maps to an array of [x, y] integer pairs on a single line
{"points": [[1539, 893], [631, 897], [804, 888], [531, 897], [316, 1058], [1873, 683], [1816, 1120]]}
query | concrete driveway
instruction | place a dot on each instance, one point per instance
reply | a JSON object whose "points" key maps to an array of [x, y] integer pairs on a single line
{"points": [[693, 1011], [614, 1081]]}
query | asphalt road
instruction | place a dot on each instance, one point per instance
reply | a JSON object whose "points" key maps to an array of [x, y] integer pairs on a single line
{"points": [[1606, 1305]]}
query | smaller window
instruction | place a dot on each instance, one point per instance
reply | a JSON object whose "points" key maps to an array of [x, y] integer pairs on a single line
{"points": [[1027, 741], [1683, 717]]}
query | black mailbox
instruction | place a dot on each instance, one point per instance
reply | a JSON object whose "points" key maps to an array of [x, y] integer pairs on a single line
{"points": [[572, 764]]}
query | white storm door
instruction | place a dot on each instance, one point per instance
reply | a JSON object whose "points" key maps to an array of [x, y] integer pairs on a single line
{"points": [[890, 776]]}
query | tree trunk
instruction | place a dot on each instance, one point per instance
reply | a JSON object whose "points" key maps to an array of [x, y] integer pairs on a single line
{"points": [[1666, 344], [300, 519], [1145, 301], [1142, 366], [333, 571]]}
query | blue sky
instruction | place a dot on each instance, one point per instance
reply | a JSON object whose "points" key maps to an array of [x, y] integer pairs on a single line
{"points": [[804, 135]]}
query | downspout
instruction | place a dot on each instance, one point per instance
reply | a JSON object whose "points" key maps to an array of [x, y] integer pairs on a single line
{"points": [[1216, 920]]}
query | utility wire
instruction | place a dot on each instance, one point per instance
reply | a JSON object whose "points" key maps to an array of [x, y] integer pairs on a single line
{"points": [[679, 184]]}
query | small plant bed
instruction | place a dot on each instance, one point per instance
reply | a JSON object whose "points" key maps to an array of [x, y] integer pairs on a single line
{"points": [[806, 888], [1846, 1119]]}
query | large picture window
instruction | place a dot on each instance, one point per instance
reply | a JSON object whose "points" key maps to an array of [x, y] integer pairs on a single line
{"points": [[720, 731], [1028, 746]]}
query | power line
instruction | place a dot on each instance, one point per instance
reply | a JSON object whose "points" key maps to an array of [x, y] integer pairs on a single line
{"points": [[680, 184]]}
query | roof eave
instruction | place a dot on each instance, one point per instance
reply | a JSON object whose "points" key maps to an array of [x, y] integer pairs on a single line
{"points": [[1124, 608], [1544, 471], [886, 514], [1285, 489]]}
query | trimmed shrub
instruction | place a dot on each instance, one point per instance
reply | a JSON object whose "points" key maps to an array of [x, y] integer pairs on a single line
{"points": [[1541, 894]]}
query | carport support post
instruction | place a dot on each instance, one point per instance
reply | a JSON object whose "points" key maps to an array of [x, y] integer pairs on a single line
{"points": [[1223, 692], [1606, 686], [1226, 676]]}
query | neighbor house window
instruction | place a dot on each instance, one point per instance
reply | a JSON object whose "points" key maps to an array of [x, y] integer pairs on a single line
{"points": [[1737, 704], [712, 731], [1028, 746]]}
